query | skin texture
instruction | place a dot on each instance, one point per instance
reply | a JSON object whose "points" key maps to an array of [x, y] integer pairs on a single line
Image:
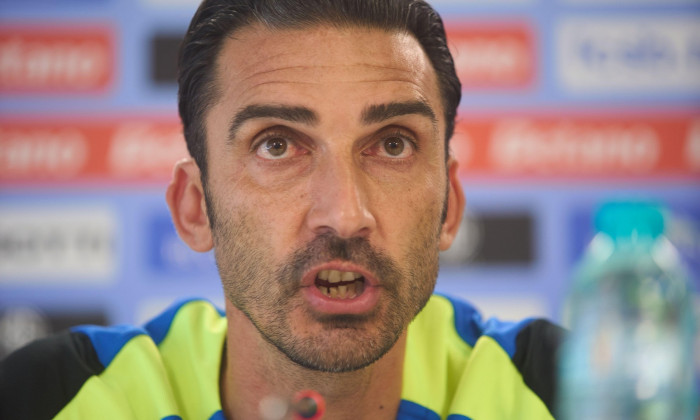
{"points": [[312, 165]]}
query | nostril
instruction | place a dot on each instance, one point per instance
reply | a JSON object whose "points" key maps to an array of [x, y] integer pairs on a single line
{"points": [[325, 230]]}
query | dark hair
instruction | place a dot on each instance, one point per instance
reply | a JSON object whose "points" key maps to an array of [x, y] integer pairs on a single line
{"points": [[216, 19]]}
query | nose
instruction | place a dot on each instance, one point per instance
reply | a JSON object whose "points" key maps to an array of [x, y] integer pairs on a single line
{"points": [[340, 200]]}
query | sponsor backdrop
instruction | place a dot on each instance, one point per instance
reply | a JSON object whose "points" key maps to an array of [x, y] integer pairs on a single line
{"points": [[567, 103]]}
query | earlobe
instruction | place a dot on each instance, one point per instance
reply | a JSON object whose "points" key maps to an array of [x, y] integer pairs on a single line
{"points": [[185, 197], [455, 206]]}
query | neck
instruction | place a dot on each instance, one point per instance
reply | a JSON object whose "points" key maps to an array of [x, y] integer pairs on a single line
{"points": [[254, 369]]}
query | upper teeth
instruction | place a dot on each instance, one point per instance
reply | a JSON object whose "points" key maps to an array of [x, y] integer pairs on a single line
{"points": [[340, 284], [335, 276]]}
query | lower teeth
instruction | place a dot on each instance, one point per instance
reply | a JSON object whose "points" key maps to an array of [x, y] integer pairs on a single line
{"points": [[347, 291]]}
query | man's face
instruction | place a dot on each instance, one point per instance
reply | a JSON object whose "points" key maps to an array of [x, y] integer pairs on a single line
{"points": [[326, 186]]}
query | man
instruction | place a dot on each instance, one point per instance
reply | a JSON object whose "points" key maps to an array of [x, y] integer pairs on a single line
{"points": [[321, 177]]}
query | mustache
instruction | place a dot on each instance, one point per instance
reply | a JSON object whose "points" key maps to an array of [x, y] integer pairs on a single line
{"points": [[327, 247]]}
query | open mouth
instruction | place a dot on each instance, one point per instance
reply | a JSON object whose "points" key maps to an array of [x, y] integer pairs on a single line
{"points": [[337, 284]]}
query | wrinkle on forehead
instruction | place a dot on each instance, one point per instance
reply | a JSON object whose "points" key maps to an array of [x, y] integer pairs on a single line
{"points": [[326, 67], [320, 73], [410, 85], [326, 40], [311, 82], [265, 53], [260, 65]]}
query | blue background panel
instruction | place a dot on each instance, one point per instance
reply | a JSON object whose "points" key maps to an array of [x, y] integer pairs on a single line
{"points": [[152, 268]]}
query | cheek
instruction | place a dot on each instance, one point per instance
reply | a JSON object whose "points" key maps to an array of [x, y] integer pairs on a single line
{"points": [[272, 216], [412, 213], [280, 177]]}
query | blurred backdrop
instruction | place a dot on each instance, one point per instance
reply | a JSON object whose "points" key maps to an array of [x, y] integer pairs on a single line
{"points": [[566, 104]]}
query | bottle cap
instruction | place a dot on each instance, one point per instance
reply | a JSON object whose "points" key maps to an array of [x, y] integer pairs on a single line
{"points": [[629, 219]]}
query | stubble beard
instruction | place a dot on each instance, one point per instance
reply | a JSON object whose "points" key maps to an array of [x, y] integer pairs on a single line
{"points": [[267, 294]]}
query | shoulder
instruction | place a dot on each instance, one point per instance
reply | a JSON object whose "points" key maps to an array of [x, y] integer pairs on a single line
{"points": [[39, 379], [535, 356], [182, 316], [521, 340], [527, 348]]}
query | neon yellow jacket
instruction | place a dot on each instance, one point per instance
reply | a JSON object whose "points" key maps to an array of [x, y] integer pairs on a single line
{"points": [[457, 367]]}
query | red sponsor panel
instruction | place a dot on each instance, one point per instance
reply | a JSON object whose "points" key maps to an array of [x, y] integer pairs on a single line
{"points": [[145, 149], [62, 59], [497, 55], [125, 150], [641, 146]]}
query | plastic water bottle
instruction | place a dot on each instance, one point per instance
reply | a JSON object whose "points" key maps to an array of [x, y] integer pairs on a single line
{"points": [[630, 354]]}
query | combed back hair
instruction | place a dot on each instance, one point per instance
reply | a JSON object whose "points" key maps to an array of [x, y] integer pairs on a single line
{"points": [[215, 20]]}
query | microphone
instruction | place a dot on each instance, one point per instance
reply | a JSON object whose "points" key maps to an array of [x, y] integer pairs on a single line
{"points": [[306, 405]]}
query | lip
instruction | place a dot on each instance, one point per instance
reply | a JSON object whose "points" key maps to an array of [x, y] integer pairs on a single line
{"points": [[323, 304]]}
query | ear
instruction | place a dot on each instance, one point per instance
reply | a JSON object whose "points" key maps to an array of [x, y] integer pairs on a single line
{"points": [[455, 205], [185, 197]]}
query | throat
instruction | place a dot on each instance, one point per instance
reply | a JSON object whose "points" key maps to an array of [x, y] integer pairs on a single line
{"points": [[252, 368]]}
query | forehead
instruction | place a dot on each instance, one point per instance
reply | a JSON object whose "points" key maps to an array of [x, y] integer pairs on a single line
{"points": [[257, 64]]}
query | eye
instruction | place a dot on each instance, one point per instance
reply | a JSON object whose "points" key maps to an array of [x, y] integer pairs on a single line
{"points": [[275, 146], [394, 146]]}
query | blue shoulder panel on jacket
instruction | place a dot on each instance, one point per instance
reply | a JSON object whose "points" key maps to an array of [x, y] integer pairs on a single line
{"points": [[219, 415], [159, 326], [505, 332], [467, 320], [108, 341], [470, 326], [409, 410], [457, 417]]}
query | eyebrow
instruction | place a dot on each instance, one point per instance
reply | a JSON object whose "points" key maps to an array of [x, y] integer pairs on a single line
{"points": [[377, 113], [297, 114], [370, 115]]}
